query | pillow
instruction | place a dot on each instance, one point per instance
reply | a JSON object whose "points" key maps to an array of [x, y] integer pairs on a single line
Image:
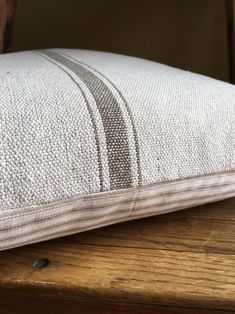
{"points": [[89, 139]]}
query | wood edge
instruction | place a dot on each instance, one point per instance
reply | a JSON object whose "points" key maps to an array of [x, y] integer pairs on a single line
{"points": [[41, 291], [10, 297], [230, 16], [7, 17]]}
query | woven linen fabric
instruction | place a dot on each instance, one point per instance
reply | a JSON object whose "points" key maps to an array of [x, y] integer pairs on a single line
{"points": [[91, 138]]}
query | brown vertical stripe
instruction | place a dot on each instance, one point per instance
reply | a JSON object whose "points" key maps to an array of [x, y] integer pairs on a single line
{"points": [[137, 149], [100, 166], [114, 125]]}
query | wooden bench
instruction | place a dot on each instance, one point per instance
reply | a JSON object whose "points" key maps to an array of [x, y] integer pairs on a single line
{"points": [[182, 262]]}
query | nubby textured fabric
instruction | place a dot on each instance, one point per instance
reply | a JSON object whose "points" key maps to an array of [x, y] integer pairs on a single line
{"points": [[90, 138]]}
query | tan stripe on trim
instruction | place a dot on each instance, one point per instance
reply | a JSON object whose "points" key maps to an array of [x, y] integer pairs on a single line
{"points": [[121, 216], [197, 190], [107, 197], [159, 201], [136, 201]]}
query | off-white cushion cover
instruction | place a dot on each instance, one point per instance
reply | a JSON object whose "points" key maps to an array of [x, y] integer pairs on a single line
{"points": [[91, 138]]}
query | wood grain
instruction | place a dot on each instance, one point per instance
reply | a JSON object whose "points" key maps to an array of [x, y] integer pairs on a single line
{"points": [[20, 304], [182, 262], [7, 13]]}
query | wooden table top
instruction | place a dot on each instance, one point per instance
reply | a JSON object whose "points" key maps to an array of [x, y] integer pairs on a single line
{"points": [[183, 262]]}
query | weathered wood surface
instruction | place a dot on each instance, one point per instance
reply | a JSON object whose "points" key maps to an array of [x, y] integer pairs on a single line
{"points": [[182, 262], [7, 14]]}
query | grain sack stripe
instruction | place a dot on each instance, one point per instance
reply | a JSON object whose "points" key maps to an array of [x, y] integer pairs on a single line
{"points": [[100, 166], [137, 149], [113, 122]]}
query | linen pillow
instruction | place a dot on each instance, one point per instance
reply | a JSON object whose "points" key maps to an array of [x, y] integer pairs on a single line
{"points": [[90, 138]]}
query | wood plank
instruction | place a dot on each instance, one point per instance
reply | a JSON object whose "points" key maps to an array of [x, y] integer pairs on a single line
{"points": [[192, 230], [183, 260], [7, 14], [26, 305]]}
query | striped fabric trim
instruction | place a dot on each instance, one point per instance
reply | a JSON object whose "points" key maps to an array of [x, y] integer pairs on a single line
{"points": [[43, 222], [127, 108], [114, 125]]}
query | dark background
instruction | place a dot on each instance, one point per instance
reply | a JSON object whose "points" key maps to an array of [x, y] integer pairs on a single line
{"points": [[189, 34]]}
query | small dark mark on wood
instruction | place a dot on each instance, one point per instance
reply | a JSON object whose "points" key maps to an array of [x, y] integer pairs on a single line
{"points": [[41, 262]]}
